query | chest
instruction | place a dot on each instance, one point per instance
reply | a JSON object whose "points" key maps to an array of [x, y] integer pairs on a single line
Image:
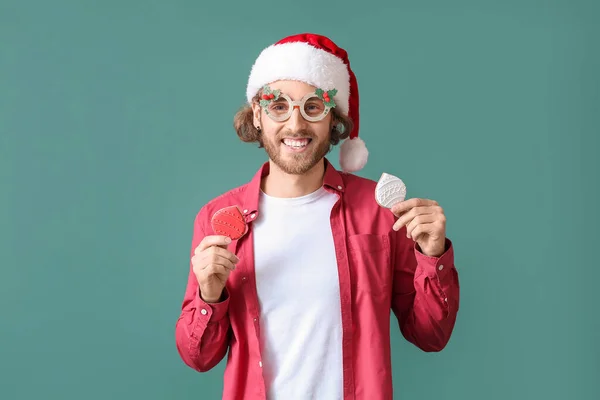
{"points": [[294, 254]]}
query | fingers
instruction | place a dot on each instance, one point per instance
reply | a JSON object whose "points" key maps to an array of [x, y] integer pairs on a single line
{"points": [[216, 256], [433, 229], [407, 217], [406, 205], [203, 263], [420, 224], [219, 251], [214, 269], [213, 259], [213, 240]]}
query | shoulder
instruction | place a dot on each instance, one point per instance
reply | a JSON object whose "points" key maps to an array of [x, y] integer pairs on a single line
{"points": [[359, 195], [353, 181], [359, 189], [232, 197]]}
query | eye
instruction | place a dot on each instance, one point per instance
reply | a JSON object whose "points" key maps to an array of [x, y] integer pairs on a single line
{"points": [[278, 106], [314, 106]]}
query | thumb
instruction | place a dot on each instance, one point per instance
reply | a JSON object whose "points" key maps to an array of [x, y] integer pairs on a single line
{"points": [[215, 240]]}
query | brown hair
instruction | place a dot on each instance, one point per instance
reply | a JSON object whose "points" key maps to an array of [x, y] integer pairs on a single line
{"points": [[243, 123]]}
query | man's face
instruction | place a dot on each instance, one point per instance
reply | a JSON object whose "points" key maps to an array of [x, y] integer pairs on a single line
{"points": [[295, 145]]}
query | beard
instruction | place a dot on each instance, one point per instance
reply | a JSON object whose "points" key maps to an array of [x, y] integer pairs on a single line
{"points": [[296, 163]]}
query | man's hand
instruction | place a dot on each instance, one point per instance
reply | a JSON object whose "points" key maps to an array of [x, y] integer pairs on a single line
{"points": [[212, 263], [425, 223]]}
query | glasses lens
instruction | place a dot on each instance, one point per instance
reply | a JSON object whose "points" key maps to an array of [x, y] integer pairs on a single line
{"points": [[279, 108], [314, 108]]}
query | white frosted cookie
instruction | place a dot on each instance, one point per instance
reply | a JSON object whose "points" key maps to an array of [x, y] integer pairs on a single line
{"points": [[389, 190]]}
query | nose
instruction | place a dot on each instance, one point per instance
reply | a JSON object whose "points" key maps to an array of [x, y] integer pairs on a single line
{"points": [[296, 122]]}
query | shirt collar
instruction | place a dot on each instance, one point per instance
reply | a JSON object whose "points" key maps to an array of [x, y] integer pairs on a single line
{"points": [[332, 179]]}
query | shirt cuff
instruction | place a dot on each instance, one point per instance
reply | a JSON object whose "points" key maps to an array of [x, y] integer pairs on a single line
{"points": [[436, 266], [212, 312]]}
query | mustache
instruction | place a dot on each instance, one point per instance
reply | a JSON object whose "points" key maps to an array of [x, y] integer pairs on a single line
{"points": [[302, 133]]}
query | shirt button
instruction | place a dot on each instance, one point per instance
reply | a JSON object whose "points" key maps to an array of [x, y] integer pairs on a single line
{"points": [[252, 216], [260, 364], [245, 211], [244, 279], [339, 187], [203, 311], [441, 267]]}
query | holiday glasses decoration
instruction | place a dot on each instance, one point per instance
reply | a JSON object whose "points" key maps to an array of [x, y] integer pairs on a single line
{"points": [[313, 106]]}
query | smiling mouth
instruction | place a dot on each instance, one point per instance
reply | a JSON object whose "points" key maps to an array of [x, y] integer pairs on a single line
{"points": [[296, 144]]}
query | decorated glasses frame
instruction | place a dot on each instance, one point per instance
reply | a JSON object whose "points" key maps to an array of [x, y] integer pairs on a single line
{"points": [[270, 96]]}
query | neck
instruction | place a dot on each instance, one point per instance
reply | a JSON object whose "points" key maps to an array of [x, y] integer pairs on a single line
{"points": [[281, 184]]}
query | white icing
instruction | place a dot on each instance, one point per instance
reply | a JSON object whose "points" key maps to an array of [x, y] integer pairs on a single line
{"points": [[389, 190]]}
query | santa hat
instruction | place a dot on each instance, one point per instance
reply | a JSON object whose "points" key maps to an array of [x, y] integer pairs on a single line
{"points": [[317, 61]]}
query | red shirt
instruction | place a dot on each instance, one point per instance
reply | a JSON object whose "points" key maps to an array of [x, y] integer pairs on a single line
{"points": [[379, 270]]}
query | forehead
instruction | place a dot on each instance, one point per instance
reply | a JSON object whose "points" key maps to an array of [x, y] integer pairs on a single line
{"points": [[295, 89]]}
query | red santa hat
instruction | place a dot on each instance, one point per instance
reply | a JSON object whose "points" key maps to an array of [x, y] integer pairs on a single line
{"points": [[317, 61]]}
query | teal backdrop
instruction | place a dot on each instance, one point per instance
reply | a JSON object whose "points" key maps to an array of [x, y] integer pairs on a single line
{"points": [[116, 127]]}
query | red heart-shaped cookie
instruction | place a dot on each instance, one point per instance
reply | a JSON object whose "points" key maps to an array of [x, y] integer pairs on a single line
{"points": [[229, 221]]}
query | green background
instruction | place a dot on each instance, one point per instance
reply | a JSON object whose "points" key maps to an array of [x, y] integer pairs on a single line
{"points": [[116, 127]]}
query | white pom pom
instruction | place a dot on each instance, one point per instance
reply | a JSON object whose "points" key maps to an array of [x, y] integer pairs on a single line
{"points": [[353, 155]]}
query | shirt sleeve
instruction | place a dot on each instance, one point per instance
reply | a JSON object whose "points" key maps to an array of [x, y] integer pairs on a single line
{"points": [[425, 294], [202, 330]]}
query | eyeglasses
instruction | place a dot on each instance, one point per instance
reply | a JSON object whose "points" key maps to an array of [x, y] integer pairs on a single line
{"points": [[313, 106]]}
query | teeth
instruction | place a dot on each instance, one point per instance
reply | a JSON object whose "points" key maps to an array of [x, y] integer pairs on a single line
{"points": [[296, 143]]}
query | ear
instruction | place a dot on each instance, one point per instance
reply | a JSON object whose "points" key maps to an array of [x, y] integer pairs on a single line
{"points": [[256, 111], [333, 121]]}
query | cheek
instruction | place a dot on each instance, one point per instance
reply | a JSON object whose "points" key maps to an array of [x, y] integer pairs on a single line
{"points": [[270, 131], [322, 131]]}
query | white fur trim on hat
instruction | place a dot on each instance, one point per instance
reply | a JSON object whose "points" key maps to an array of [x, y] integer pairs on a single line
{"points": [[301, 62], [353, 154]]}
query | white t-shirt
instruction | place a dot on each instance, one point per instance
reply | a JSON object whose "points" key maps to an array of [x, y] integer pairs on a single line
{"points": [[299, 296]]}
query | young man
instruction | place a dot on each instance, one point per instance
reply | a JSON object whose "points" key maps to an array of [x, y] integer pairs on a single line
{"points": [[302, 300]]}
